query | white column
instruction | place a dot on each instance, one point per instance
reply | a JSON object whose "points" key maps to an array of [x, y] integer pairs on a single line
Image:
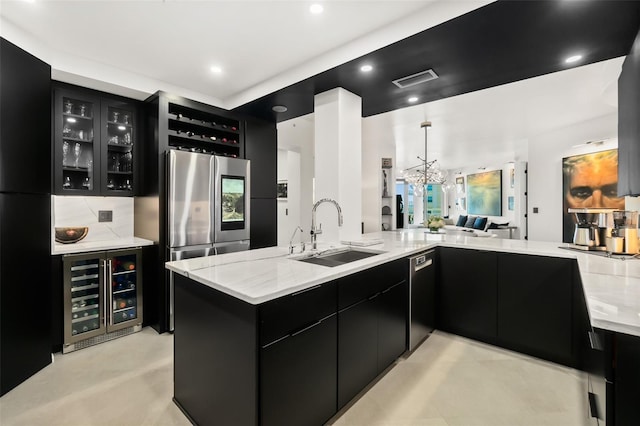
{"points": [[338, 163]]}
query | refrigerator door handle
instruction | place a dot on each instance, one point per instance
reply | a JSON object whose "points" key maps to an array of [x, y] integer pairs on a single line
{"points": [[109, 288]]}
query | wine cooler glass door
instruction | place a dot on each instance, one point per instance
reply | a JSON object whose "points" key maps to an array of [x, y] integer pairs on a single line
{"points": [[125, 285], [84, 297]]}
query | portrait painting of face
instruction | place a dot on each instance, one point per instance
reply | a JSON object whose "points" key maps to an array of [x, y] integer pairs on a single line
{"points": [[589, 180]]}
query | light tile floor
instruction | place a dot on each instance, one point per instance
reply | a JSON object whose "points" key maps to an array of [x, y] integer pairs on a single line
{"points": [[447, 381]]}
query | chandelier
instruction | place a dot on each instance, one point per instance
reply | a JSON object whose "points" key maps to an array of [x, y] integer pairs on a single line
{"points": [[426, 172]]}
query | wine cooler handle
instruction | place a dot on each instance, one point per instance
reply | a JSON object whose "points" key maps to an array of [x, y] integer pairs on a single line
{"points": [[110, 290], [104, 289]]}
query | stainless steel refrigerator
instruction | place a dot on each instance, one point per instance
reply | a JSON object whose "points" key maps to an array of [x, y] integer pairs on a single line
{"points": [[208, 207]]}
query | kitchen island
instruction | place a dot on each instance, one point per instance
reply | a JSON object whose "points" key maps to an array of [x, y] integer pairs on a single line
{"points": [[257, 332]]}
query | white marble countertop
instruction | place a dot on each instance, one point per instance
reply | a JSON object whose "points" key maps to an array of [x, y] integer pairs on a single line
{"points": [[611, 285], [80, 247]]}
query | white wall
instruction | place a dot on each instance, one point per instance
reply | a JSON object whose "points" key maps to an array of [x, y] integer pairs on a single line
{"points": [[507, 191], [374, 148], [295, 165], [545, 156]]}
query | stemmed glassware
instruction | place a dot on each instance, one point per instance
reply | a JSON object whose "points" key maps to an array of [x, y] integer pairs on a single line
{"points": [[65, 153], [77, 149]]}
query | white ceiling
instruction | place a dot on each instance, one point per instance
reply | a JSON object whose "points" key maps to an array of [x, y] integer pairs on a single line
{"points": [[261, 45], [134, 48], [489, 127]]}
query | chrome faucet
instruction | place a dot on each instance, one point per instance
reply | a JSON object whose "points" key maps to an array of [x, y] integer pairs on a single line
{"points": [[291, 240], [315, 231]]}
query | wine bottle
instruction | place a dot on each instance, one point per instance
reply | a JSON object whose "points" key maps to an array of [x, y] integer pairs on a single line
{"points": [[128, 266]]}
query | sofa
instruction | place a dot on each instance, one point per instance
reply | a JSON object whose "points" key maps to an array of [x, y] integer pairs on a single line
{"points": [[476, 226]]}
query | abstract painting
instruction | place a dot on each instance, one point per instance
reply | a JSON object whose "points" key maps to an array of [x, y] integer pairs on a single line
{"points": [[484, 193]]}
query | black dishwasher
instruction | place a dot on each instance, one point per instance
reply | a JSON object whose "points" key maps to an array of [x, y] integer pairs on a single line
{"points": [[422, 314]]}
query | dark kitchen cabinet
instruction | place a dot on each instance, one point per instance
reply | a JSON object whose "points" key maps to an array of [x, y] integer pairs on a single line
{"points": [[628, 123], [467, 293], [372, 325], [264, 222], [261, 147], [627, 379], [298, 376], [293, 360], [357, 348], [95, 143], [25, 215], [298, 365], [392, 324], [25, 108], [534, 305]]}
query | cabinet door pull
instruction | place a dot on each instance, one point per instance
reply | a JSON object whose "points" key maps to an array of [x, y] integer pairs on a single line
{"points": [[306, 290], [594, 341], [306, 328]]}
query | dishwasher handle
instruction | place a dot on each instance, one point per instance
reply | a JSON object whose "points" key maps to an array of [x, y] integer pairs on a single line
{"points": [[422, 262]]}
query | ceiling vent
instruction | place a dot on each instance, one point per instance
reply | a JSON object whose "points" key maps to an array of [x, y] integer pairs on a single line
{"points": [[419, 78]]}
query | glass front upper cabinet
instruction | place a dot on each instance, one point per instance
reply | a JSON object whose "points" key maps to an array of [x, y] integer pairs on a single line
{"points": [[76, 148], [118, 167], [95, 143]]}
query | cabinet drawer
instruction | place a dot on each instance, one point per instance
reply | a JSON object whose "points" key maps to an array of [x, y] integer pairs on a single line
{"points": [[359, 286], [291, 313]]}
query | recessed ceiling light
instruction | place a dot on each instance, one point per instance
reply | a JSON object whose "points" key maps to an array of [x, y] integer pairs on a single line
{"points": [[366, 68], [279, 108], [216, 69], [413, 99], [316, 8], [572, 59]]}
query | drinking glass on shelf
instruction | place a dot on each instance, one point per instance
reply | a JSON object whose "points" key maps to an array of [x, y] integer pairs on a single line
{"points": [[65, 153], [77, 150], [68, 106], [87, 183], [127, 185], [128, 162], [110, 184], [114, 162], [114, 116], [67, 183], [83, 110]]}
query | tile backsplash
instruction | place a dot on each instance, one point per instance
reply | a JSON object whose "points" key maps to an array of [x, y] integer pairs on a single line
{"points": [[83, 211]]}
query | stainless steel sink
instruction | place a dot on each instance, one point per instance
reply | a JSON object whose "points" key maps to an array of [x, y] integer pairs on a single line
{"points": [[337, 257]]}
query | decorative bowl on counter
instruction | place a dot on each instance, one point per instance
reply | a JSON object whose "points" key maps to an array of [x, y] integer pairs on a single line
{"points": [[71, 234]]}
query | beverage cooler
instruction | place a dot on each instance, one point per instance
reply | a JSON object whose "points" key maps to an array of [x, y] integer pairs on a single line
{"points": [[102, 297]]}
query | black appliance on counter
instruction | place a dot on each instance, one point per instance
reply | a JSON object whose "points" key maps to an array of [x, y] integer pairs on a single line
{"points": [[25, 215]]}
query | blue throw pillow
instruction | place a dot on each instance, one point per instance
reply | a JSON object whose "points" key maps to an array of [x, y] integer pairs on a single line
{"points": [[461, 220], [470, 221], [480, 223]]}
